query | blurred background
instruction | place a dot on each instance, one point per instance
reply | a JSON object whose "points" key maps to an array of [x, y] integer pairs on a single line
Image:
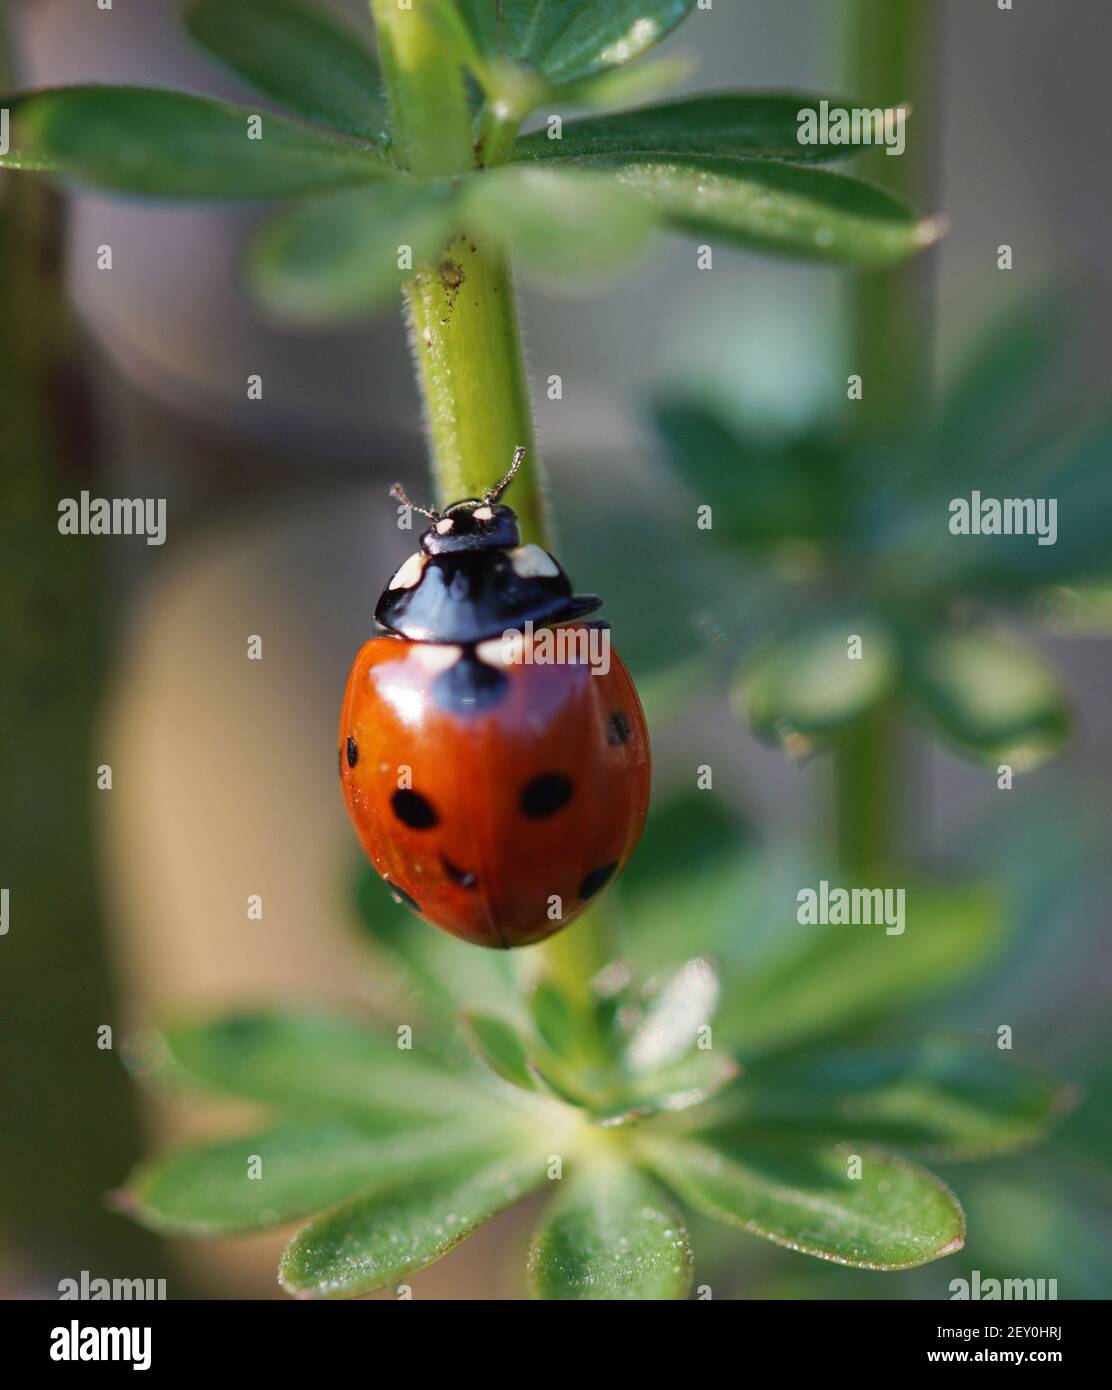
{"points": [[130, 904]]}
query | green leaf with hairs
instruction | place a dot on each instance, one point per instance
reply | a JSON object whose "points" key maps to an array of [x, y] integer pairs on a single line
{"points": [[501, 1047], [945, 1098], [893, 1215], [374, 1241], [785, 209], [610, 1233], [307, 1064], [735, 125], [568, 39], [162, 144], [267, 1178], [789, 982]]}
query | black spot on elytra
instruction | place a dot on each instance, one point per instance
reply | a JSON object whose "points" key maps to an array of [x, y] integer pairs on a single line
{"points": [[545, 795], [414, 810], [470, 686], [400, 896], [352, 751], [463, 878], [596, 879], [617, 730]]}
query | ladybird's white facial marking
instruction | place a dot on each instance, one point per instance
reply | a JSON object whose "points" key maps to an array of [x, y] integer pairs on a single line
{"points": [[531, 562], [483, 514], [444, 525], [435, 657], [411, 572], [492, 651]]}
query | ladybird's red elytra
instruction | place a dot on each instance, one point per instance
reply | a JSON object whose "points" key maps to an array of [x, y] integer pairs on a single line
{"points": [[496, 795]]}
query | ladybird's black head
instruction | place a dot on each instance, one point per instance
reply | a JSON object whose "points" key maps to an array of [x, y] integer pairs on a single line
{"points": [[472, 578], [472, 525]]}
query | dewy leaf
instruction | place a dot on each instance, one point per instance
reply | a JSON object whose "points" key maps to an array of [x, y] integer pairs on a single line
{"points": [[676, 1086], [814, 684], [785, 209], [560, 223], [993, 696], [270, 1177], [893, 1216], [945, 1098], [374, 1241], [819, 979], [739, 125], [566, 39], [500, 1045], [164, 144], [335, 258], [294, 52], [610, 1233], [308, 1064], [680, 1007]]}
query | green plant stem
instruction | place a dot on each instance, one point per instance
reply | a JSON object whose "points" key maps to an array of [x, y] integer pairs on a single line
{"points": [[425, 88], [890, 313], [467, 347], [464, 327], [462, 308], [890, 340], [864, 797]]}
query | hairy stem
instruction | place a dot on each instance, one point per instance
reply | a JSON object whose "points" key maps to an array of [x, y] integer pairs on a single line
{"points": [[463, 320], [467, 347]]}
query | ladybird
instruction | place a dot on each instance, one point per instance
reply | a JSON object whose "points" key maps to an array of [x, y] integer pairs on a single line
{"points": [[493, 751]]}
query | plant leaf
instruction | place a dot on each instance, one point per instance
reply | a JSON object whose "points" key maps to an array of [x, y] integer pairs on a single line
{"points": [[205, 1189], [813, 979], [559, 222], [992, 696], [310, 1064], [501, 1047], [164, 144], [677, 1086], [737, 125], [894, 1216], [611, 1233], [566, 39], [679, 1007], [335, 258], [372, 1242], [766, 489], [809, 685], [621, 86], [786, 209], [291, 51], [556, 1019], [944, 1098]]}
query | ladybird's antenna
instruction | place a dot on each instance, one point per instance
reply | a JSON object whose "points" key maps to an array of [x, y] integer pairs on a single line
{"points": [[494, 493], [399, 494]]}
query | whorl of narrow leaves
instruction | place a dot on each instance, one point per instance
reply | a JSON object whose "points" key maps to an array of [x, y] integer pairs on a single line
{"points": [[726, 167]]}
